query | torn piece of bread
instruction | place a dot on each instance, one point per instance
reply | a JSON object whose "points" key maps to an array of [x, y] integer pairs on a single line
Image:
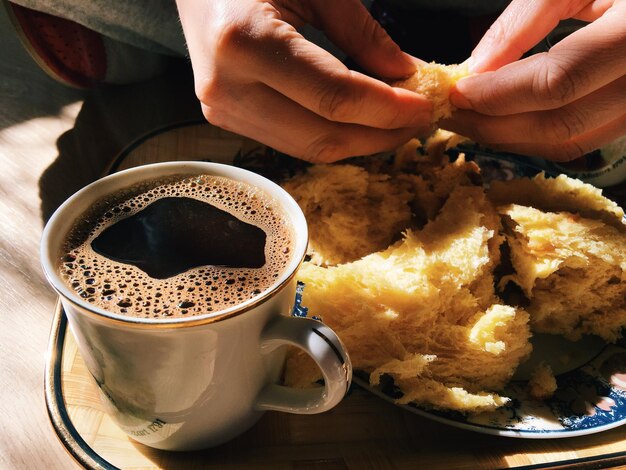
{"points": [[572, 269], [435, 81], [568, 249], [350, 211], [558, 194], [424, 311], [353, 211]]}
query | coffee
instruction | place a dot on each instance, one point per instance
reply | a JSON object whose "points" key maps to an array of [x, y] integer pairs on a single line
{"points": [[180, 246]]}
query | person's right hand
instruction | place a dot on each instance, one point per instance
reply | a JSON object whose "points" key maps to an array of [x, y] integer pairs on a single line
{"points": [[257, 76], [559, 104]]}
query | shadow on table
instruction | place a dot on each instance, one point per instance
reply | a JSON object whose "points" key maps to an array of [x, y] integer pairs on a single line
{"points": [[111, 118]]}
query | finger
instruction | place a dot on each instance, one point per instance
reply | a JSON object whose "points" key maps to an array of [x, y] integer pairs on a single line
{"points": [[363, 38], [307, 74], [558, 125], [571, 149], [582, 62], [522, 25], [594, 10], [274, 120]]}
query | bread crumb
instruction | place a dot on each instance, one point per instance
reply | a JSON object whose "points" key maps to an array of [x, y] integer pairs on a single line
{"points": [[542, 383]]}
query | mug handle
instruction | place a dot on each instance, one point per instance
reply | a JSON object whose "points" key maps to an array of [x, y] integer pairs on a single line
{"points": [[328, 352]]}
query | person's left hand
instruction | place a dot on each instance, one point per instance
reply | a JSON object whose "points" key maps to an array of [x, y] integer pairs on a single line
{"points": [[256, 75], [559, 104]]}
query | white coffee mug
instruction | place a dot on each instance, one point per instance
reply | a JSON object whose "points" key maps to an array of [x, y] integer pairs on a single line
{"points": [[189, 383]]}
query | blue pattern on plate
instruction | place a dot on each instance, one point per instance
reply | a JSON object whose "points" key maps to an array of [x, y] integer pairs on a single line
{"points": [[298, 309]]}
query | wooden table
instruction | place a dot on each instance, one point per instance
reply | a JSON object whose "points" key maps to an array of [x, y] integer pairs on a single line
{"points": [[54, 140]]}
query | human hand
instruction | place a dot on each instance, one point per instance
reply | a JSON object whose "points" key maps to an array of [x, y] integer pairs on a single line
{"points": [[257, 76], [559, 104]]}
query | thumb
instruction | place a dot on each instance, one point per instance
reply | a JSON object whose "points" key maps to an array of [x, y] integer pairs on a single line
{"points": [[349, 25]]}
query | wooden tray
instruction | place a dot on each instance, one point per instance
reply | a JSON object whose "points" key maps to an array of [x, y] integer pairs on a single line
{"points": [[363, 432]]}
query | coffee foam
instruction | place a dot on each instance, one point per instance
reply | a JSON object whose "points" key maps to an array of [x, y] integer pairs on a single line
{"points": [[127, 290]]}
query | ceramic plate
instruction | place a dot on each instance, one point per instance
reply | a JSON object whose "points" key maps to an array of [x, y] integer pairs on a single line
{"points": [[591, 375], [591, 397]]}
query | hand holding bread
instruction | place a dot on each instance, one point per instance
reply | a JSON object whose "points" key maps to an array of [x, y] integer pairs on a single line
{"points": [[256, 75], [558, 104]]}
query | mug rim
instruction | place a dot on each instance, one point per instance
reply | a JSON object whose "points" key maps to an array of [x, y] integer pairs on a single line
{"points": [[48, 253]]}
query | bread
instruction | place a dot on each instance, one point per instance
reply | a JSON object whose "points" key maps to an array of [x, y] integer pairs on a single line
{"points": [[365, 214], [424, 310], [421, 311], [558, 194], [572, 269], [568, 250], [353, 210], [435, 81]]}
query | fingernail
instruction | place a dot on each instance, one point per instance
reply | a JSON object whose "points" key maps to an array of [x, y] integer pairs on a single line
{"points": [[460, 101], [410, 62]]}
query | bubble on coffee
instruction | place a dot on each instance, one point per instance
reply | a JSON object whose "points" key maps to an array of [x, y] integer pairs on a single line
{"points": [[230, 222]]}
